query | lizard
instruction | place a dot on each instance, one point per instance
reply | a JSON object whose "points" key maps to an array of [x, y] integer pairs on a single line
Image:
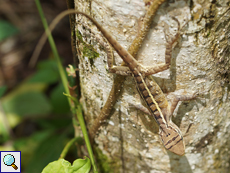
{"points": [[149, 90], [119, 79]]}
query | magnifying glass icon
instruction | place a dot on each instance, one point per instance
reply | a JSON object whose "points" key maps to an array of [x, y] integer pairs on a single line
{"points": [[9, 160]]}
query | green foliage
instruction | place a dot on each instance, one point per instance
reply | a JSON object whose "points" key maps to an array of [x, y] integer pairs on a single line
{"points": [[47, 76], [2, 90], [47, 73], [75, 107], [59, 102], [30, 103], [63, 166], [7, 29], [28, 147], [30, 100], [48, 150], [39, 99]]}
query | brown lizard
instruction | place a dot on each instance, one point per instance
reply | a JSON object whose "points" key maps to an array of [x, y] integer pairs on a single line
{"points": [[119, 79], [151, 93]]}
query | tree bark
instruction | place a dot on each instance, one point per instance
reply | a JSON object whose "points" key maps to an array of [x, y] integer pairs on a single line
{"points": [[128, 141]]}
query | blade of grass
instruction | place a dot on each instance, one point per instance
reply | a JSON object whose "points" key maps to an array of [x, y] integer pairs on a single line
{"points": [[76, 107], [54, 49]]}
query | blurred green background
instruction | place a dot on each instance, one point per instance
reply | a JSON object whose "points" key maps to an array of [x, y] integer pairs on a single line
{"points": [[35, 116]]}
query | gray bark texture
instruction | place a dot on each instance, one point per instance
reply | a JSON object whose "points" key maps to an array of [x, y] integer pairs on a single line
{"points": [[128, 141]]}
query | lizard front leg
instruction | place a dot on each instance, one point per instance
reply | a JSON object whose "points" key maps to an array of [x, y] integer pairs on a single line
{"points": [[147, 70], [175, 101]]}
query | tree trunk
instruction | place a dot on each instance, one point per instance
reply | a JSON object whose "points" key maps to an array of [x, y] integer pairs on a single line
{"points": [[128, 141]]}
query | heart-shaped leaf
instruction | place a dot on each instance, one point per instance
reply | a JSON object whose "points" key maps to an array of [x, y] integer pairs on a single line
{"points": [[63, 166]]}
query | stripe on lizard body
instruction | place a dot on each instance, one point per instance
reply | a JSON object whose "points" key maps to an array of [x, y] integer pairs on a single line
{"points": [[153, 100]]}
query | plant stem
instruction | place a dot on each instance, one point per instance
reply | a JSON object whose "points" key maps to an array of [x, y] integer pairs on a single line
{"points": [[68, 145], [73, 102], [54, 49]]}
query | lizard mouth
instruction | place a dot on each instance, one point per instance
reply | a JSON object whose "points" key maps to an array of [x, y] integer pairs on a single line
{"points": [[178, 148]]}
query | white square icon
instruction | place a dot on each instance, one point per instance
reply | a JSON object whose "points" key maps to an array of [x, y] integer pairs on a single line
{"points": [[10, 161]]}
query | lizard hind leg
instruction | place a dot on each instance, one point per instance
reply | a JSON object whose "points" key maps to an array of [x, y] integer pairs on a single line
{"points": [[176, 100], [170, 40]]}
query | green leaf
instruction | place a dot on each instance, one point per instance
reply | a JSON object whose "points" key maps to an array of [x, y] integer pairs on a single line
{"points": [[2, 90], [47, 72], [28, 146], [55, 123], [47, 76], [27, 104], [48, 64], [81, 165], [7, 29], [59, 101], [48, 150], [58, 166], [4, 133], [63, 166]]}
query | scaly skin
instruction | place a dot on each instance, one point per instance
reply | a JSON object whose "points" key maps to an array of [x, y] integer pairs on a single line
{"points": [[118, 81]]}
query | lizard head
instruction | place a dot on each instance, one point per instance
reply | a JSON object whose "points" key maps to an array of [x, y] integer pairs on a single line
{"points": [[172, 140]]}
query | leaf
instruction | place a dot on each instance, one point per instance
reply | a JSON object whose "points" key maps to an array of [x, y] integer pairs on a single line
{"points": [[47, 76], [7, 29], [2, 90], [55, 123], [47, 72], [48, 64], [48, 150], [82, 165], [63, 166], [27, 104], [59, 101], [4, 133], [58, 166], [28, 146]]}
